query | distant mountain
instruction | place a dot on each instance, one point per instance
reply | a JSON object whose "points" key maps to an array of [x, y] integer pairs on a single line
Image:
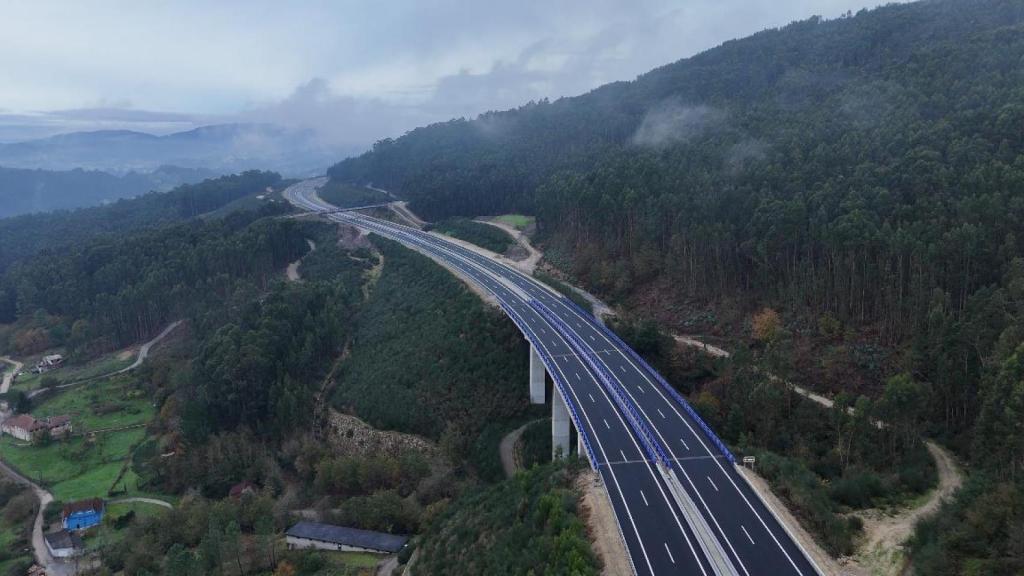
{"points": [[220, 148], [26, 191]]}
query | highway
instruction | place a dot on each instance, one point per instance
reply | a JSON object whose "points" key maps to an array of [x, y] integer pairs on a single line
{"points": [[680, 504]]}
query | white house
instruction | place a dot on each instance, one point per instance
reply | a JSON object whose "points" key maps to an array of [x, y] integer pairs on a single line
{"points": [[64, 544]]}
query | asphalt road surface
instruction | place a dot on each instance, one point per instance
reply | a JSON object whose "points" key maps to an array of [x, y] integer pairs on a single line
{"points": [[630, 420]]}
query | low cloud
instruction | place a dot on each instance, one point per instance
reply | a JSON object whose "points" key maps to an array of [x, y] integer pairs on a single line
{"points": [[672, 122]]}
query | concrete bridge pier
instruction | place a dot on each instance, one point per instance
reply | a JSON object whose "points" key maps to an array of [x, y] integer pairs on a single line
{"points": [[536, 377], [559, 426]]}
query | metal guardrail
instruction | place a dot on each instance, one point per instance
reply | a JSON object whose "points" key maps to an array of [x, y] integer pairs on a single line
{"points": [[653, 448], [708, 432], [527, 332], [551, 368]]}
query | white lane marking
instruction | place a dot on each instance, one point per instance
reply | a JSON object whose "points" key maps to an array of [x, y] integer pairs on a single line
{"points": [[577, 375], [641, 389], [712, 483], [543, 331], [669, 553], [592, 398], [722, 468], [745, 532], [687, 446], [623, 368], [660, 412], [592, 337], [623, 452], [644, 497], [606, 424]]}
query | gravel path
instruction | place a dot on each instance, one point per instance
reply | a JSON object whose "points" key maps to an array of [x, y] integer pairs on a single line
{"points": [[292, 272], [153, 501], [9, 375], [507, 449], [43, 558], [880, 552]]}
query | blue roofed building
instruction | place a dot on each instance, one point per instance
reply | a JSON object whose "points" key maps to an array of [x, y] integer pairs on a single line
{"points": [[343, 539], [82, 514]]}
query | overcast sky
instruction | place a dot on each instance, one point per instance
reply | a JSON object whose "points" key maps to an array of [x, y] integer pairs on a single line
{"points": [[356, 71]]}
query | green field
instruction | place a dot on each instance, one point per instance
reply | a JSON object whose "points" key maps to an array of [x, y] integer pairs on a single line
{"points": [[102, 365], [105, 403], [75, 468], [517, 221], [355, 559], [107, 534]]}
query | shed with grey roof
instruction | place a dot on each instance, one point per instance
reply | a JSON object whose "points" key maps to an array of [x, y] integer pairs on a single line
{"points": [[342, 538]]}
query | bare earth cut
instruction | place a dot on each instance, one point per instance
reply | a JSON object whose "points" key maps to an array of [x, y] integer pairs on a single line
{"points": [[596, 511]]}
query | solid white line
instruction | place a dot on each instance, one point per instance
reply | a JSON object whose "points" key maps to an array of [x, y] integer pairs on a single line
{"points": [[591, 398], [687, 446], [704, 445], [517, 275], [644, 497], [623, 452], [747, 533], [669, 553], [712, 483], [660, 412]]}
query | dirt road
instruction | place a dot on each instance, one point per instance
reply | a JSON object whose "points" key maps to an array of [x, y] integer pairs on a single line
{"points": [[143, 354], [9, 375], [880, 552], [528, 264], [507, 449], [292, 272], [152, 501]]}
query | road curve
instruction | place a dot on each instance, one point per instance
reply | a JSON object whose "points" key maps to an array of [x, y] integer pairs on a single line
{"points": [[681, 506]]}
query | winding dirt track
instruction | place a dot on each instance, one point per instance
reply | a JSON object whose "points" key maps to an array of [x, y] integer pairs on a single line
{"points": [[880, 552], [9, 375]]}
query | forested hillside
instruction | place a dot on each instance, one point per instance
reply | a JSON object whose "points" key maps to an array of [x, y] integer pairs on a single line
{"points": [[864, 176], [429, 358], [23, 236], [24, 191]]}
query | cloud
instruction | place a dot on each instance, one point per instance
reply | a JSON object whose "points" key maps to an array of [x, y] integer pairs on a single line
{"points": [[353, 72], [671, 122]]}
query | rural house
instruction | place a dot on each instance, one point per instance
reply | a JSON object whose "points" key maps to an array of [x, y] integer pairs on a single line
{"points": [[25, 427], [343, 539], [243, 488], [49, 363], [63, 544], [82, 514]]}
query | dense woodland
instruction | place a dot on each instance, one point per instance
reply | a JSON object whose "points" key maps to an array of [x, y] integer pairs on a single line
{"points": [[24, 236], [237, 390], [485, 235], [429, 358], [864, 176], [25, 191], [526, 525]]}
